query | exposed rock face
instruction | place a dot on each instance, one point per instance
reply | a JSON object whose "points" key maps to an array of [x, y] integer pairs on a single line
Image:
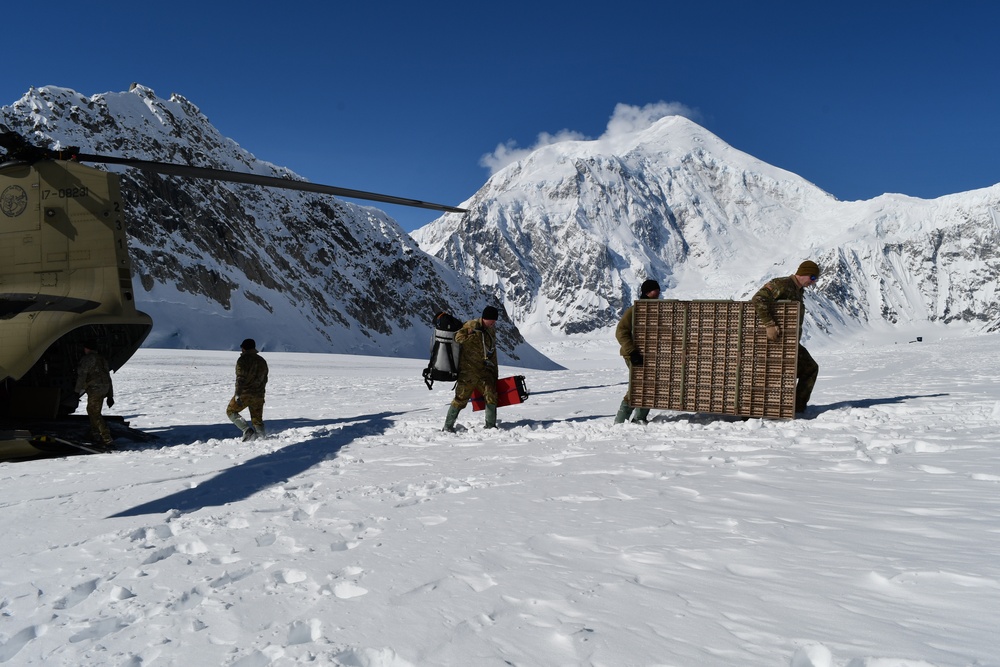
{"points": [[217, 262]]}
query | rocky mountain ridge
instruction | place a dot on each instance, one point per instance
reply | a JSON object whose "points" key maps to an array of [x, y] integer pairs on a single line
{"points": [[216, 262]]}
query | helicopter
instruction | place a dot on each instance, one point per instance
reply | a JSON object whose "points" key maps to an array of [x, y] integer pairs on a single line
{"points": [[66, 278]]}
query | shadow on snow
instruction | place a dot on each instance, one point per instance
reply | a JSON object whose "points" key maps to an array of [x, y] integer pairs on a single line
{"points": [[592, 386], [814, 410], [669, 416], [811, 412], [261, 472]]}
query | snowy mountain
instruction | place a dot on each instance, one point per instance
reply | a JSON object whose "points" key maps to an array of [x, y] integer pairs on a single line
{"points": [[568, 233], [561, 238], [218, 262]]}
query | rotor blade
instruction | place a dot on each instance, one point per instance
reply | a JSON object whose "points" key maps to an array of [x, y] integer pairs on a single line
{"points": [[257, 179]]}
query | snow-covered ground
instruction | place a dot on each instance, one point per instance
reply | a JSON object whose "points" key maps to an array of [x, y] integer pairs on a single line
{"points": [[358, 534]]}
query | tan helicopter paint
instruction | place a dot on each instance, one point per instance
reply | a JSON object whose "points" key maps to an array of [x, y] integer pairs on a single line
{"points": [[64, 265]]}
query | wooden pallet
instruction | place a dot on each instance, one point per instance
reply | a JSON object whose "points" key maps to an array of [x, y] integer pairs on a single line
{"points": [[714, 356]]}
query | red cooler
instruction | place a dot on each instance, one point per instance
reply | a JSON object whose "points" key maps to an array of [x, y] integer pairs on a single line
{"points": [[510, 391]]}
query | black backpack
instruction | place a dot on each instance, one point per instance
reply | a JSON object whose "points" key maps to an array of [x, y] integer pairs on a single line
{"points": [[444, 350]]}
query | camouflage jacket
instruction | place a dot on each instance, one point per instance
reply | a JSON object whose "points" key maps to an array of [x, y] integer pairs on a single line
{"points": [[479, 350], [93, 376], [779, 289], [251, 374]]}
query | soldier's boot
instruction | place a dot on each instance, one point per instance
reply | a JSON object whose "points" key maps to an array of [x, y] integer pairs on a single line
{"points": [[624, 412], [491, 415], [103, 439], [241, 424], [449, 421], [105, 433], [640, 416], [259, 430]]}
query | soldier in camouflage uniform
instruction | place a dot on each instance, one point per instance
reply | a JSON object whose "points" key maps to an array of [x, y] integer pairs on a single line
{"points": [[477, 367], [650, 289], [94, 378], [251, 380], [790, 288]]}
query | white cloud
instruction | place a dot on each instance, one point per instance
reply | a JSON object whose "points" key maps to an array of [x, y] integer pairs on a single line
{"points": [[508, 152], [626, 119]]}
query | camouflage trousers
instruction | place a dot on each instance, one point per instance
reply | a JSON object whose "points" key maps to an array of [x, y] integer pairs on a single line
{"points": [[256, 405], [466, 385], [98, 427], [808, 371], [628, 364]]}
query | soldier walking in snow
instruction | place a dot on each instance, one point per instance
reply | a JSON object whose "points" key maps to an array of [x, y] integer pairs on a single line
{"points": [[650, 289], [94, 378], [477, 367], [790, 288], [251, 380]]}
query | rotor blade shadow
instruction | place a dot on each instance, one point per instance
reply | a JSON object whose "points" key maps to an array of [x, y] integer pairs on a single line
{"points": [[593, 386], [261, 472], [545, 423], [185, 434]]}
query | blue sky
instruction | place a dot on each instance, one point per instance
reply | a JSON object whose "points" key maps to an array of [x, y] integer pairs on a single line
{"points": [[404, 98]]}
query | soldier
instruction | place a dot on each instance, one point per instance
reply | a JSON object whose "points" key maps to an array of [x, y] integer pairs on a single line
{"points": [[790, 288], [251, 380], [650, 289], [94, 378], [477, 367]]}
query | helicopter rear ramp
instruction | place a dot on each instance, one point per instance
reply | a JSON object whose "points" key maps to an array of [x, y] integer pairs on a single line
{"points": [[29, 439]]}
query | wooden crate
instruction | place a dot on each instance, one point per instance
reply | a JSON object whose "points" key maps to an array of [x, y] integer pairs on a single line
{"points": [[714, 356]]}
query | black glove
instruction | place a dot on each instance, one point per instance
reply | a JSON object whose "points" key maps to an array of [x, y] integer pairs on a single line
{"points": [[111, 401], [636, 358]]}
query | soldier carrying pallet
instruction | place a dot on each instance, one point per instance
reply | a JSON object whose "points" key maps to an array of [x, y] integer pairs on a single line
{"points": [[790, 288], [650, 289]]}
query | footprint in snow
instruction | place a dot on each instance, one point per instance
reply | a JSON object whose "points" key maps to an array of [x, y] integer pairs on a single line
{"points": [[79, 593], [347, 589]]}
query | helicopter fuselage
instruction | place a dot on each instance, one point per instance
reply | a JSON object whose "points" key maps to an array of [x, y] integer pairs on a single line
{"points": [[65, 277]]}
